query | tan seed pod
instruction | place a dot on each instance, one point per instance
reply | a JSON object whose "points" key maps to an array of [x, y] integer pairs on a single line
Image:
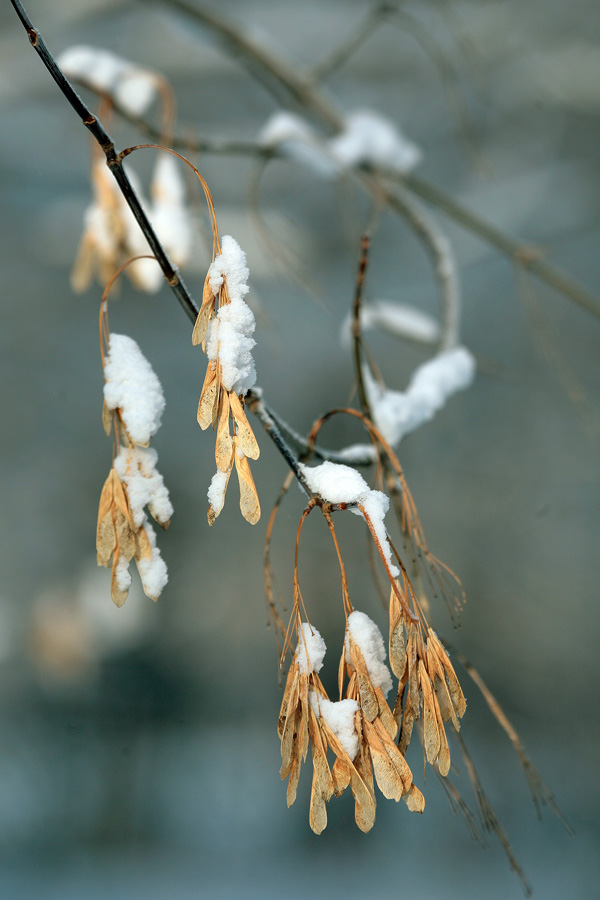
{"points": [[205, 315], [317, 815], [415, 800], [249, 503], [218, 400], [361, 785], [105, 531], [293, 782], [444, 760], [341, 776], [244, 435], [458, 698], [143, 548], [398, 655], [368, 698], [394, 754], [385, 714], [207, 397], [107, 418], [223, 446], [388, 779], [125, 536], [431, 735]]}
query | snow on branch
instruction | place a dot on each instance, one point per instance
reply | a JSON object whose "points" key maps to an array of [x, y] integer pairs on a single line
{"points": [[397, 319], [341, 484], [367, 138], [133, 387], [397, 413], [130, 85], [369, 640], [229, 336]]}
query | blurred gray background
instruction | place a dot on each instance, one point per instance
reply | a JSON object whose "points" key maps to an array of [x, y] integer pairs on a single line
{"points": [[139, 756]]}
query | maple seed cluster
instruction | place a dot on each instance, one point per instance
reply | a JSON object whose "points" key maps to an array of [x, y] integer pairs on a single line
{"points": [[132, 406], [368, 739], [223, 407]]}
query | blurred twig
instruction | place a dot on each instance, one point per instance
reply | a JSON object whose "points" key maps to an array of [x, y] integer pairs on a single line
{"points": [[306, 94]]}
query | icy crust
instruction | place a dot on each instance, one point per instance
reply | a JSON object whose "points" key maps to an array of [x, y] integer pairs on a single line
{"points": [[340, 718], [132, 386], [133, 87], [229, 337], [342, 484], [310, 651], [397, 413], [369, 640], [136, 468]]}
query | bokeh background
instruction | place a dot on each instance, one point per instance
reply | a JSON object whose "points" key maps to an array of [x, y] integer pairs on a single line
{"points": [[138, 751]]}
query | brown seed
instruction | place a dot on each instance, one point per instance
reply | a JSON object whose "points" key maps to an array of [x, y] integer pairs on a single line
{"points": [[249, 503], [224, 445], [385, 714], [244, 435], [107, 418], [207, 397], [387, 777], [431, 735], [414, 799], [394, 754], [205, 315]]}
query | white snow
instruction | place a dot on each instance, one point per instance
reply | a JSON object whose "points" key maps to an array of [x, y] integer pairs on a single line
{"points": [[335, 483], [397, 319], [133, 87], [342, 484], [216, 491], [123, 575], [369, 137], [368, 638], [153, 571], [310, 651], [169, 214], [397, 413], [136, 467], [297, 140], [354, 453], [229, 336], [132, 386], [376, 505], [340, 718]]}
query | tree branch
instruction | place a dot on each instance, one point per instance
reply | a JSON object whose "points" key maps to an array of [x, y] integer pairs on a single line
{"points": [[115, 165], [305, 93]]}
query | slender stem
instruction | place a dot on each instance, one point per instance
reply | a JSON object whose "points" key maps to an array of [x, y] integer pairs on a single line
{"points": [[522, 254], [358, 295], [341, 54], [298, 86], [256, 406]]}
